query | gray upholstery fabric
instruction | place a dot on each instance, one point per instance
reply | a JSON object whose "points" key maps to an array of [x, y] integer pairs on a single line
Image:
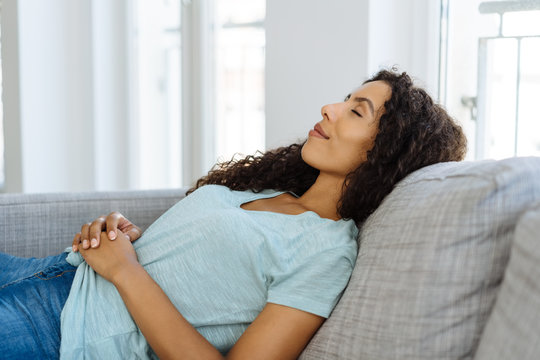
{"points": [[430, 261], [513, 329], [44, 224]]}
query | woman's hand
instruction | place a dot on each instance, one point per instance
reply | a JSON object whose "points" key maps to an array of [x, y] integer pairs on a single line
{"points": [[90, 232], [112, 258]]}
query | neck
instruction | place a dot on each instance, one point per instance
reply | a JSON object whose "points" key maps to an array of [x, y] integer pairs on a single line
{"points": [[323, 196]]}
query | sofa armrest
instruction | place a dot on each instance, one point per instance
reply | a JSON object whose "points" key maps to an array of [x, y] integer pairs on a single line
{"points": [[38, 225]]}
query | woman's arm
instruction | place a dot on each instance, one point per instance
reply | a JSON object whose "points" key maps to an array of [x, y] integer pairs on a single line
{"points": [[169, 334], [279, 332]]}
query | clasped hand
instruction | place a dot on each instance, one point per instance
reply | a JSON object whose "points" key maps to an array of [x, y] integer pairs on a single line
{"points": [[111, 252], [112, 258], [90, 234]]}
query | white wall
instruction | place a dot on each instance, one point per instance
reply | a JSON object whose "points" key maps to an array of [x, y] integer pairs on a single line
{"points": [[315, 55], [406, 34], [317, 51]]}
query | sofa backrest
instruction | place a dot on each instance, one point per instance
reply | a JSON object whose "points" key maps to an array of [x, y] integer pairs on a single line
{"points": [[44, 224], [430, 262]]}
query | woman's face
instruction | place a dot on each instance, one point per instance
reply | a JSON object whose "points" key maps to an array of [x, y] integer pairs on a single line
{"points": [[339, 143]]}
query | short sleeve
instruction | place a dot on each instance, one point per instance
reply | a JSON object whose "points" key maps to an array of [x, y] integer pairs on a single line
{"points": [[314, 284]]}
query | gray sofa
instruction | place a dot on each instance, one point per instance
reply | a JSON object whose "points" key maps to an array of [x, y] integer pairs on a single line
{"points": [[448, 265]]}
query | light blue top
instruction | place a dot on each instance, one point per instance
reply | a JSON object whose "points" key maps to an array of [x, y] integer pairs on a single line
{"points": [[219, 264]]}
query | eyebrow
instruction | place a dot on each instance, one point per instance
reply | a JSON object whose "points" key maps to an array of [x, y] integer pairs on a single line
{"points": [[360, 99]]}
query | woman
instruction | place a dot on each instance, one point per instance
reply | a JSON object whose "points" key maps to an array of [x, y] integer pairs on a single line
{"points": [[252, 261]]}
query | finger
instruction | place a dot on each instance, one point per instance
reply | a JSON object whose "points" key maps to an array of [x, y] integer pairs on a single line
{"points": [[124, 224], [95, 229], [112, 224], [76, 242], [82, 250], [84, 236], [133, 234], [116, 222]]}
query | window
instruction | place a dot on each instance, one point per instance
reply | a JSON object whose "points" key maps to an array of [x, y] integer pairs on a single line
{"points": [[239, 69], [223, 42], [155, 83], [489, 74], [179, 84]]}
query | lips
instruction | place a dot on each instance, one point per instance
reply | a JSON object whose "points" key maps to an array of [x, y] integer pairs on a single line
{"points": [[320, 130]]}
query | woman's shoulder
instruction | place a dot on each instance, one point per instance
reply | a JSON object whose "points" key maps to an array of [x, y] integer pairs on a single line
{"points": [[210, 191], [215, 190], [315, 237], [328, 228], [226, 189], [342, 232], [210, 188]]}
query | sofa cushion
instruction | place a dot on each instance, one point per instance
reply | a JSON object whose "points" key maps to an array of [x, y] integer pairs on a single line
{"points": [[513, 329], [430, 262]]}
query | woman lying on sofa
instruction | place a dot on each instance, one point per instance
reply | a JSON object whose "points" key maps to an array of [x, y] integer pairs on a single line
{"points": [[249, 264]]}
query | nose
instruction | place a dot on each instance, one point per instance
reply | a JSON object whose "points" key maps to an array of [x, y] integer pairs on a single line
{"points": [[329, 112]]}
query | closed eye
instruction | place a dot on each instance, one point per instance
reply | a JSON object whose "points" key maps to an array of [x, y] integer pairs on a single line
{"points": [[357, 113]]}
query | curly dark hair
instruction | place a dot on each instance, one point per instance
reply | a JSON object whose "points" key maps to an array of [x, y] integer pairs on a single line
{"points": [[413, 132]]}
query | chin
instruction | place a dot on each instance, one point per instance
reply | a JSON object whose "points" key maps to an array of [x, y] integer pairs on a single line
{"points": [[309, 155], [305, 150]]}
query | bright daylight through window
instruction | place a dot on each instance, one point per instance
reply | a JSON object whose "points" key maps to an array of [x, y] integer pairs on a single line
{"points": [[235, 72], [239, 69], [490, 78], [155, 82]]}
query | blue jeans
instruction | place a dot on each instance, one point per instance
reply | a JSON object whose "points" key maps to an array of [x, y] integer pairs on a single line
{"points": [[32, 295]]}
